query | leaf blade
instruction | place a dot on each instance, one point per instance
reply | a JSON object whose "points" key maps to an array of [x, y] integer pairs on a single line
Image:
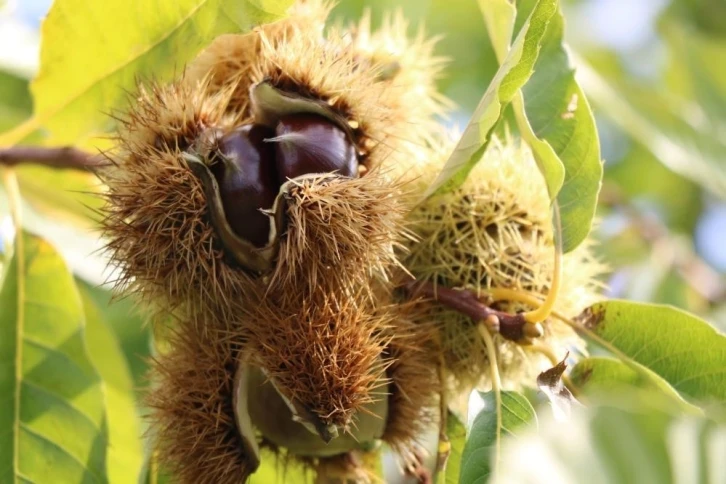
{"points": [[125, 455], [54, 409], [558, 126], [90, 72], [662, 338], [517, 412], [512, 74]]}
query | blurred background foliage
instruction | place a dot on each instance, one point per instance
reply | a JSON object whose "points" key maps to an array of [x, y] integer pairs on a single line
{"points": [[650, 70]]}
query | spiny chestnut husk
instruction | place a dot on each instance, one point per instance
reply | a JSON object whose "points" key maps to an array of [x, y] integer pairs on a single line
{"points": [[495, 232], [309, 306], [214, 406]]}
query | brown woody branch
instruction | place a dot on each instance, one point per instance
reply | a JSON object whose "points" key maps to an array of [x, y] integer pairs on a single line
{"points": [[511, 326], [58, 157]]}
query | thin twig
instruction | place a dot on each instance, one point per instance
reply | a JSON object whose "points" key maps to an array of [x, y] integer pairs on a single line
{"points": [[511, 326], [55, 157], [497, 389]]}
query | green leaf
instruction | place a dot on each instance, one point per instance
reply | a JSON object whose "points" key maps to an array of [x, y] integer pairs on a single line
{"points": [[476, 462], [92, 53], [125, 456], [511, 76], [560, 118], [15, 101], [637, 438], [600, 375], [53, 192], [456, 433], [555, 120], [682, 349], [500, 17], [52, 415], [129, 327], [67, 195]]}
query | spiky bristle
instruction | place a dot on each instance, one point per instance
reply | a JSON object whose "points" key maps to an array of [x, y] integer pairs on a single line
{"points": [[407, 63], [231, 57], [324, 352], [382, 83], [342, 234], [192, 410], [156, 220], [415, 385], [495, 231], [320, 324]]}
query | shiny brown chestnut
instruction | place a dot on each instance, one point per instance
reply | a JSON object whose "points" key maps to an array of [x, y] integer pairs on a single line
{"points": [[245, 172], [309, 143]]}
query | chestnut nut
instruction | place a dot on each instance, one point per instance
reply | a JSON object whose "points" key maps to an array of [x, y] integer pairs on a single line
{"points": [[247, 181], [253, 161], [308, 143]]}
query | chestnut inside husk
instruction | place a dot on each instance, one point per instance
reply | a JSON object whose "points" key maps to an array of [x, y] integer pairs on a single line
{"points": [[252, 162]]}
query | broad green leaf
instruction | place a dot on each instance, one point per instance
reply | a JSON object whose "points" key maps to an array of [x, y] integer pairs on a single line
{"points": [[599, 375], [129, 327], [560, 118], [602, 374], [125, 455], [682, 349], [511, 76], [15, 102], [477, 464], [637, 438], [555, 120], [52, 414], [92, 53], [456, 433], [500, 17]]}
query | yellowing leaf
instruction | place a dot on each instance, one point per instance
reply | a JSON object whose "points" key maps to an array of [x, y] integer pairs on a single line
{"points": [[511, 76], [52, 415], [92, 53], [125, 456]]}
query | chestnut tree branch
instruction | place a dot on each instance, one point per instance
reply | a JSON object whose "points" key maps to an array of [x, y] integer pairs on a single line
{"points": [[511, 326], [55, 157]]}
